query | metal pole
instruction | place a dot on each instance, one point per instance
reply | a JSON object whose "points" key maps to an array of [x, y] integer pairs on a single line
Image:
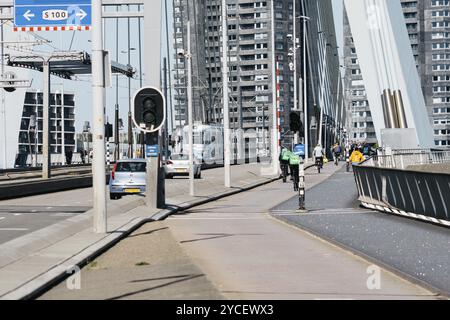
{"points": [[63, 141], [98, 125], [274, 142], [130, 121], [116, 112], [155, 191], [166, 125], [2, 52], [169, 66], [226, 101], [46, 121], [294, 42], [305, 85], [264, 130], [190, 112]]}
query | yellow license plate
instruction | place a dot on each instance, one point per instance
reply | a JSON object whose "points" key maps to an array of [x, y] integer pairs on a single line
{"points": [[181, 170], [132, 190]]}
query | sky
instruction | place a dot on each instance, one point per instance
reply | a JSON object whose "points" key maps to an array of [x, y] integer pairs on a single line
{"points": [[80, 41]]}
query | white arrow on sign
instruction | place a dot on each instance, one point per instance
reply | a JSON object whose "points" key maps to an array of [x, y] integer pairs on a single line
{"points": [[28, 15], [82, 14]]}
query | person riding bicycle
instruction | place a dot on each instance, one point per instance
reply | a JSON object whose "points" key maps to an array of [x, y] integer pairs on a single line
{"points": [[337, 150], [284, 163], [294, 164], [318, 154]]}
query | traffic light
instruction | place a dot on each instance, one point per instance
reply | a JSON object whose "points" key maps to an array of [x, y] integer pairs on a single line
{"points": [[149, 109], [295, 122], [108, 131]]}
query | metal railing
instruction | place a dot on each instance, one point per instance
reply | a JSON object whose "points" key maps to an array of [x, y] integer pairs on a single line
{"points": [[404, 160], [384, 183]]}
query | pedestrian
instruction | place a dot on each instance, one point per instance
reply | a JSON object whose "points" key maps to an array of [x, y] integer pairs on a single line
{"points": [[69, 155], [284, 163], [294, 164], [83, 156]]}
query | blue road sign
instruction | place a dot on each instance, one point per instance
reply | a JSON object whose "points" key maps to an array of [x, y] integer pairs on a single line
{"points": [[151, 151], [299, 150], [52, 13]]}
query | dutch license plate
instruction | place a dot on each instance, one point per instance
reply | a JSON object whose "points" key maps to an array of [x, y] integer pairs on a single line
{"points": [[181, 170], [132, 190]]}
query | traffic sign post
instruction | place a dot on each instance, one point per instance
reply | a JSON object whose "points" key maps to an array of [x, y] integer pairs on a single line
{"points": [[52, 14], [149, 117]]}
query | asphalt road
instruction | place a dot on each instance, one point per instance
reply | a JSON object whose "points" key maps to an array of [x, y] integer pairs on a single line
{"points": [[17, 220], [414, 248]]}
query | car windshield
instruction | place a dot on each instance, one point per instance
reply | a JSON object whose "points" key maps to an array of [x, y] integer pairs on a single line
{"points": [[180, 157], [130, 167]]}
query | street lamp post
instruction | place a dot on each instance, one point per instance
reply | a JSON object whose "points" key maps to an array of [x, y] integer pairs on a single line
{"points": [[190, 113], [304, 83], [226, 111]]}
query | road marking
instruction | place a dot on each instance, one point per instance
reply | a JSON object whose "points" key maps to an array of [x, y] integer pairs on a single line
{"points": [[1, 218], [14, 229], [17, 214], [222, 218]]}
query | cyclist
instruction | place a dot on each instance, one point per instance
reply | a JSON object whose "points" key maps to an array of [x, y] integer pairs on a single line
{"points": [[357, 157], [294, 164], [337, 150], [318, 156], [284, 163]]}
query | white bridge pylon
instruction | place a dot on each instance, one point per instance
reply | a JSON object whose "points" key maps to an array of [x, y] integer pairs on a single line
{"points": [[387, 63]]}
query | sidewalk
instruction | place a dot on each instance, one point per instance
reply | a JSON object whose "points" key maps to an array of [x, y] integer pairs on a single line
{"points": [[151, 264], [38, 259]]}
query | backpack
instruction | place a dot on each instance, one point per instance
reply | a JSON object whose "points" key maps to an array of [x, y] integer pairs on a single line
{"points": [[294, 160]]}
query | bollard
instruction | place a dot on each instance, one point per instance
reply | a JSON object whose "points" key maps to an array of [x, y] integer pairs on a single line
{"points": [[108, 159], [301, 190], [347, 158]]}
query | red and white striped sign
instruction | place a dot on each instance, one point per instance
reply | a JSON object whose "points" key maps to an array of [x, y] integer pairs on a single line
{"points": [[64, 28]]}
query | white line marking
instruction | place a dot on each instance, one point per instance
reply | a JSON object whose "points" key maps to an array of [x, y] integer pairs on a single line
{"points": [[223, 218], [1, 218], [14, 229], [17, 214]]}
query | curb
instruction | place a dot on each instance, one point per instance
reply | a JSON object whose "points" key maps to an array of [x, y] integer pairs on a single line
{"points": [[57, 273]]}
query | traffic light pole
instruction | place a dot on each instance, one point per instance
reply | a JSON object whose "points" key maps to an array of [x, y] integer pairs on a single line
{"points": [[155, 190], [190, 113]]}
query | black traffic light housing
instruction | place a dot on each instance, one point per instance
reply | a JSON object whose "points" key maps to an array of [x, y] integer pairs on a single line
{"points": [[295, 123], [149, 109], [108, 131]]}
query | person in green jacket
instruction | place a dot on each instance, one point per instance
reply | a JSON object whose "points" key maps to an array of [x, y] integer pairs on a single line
{"points": [[284, 163], [294, 164]]}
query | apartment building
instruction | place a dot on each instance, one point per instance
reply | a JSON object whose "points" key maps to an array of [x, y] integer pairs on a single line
{"points": [[260, 65], [62, 125]]}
